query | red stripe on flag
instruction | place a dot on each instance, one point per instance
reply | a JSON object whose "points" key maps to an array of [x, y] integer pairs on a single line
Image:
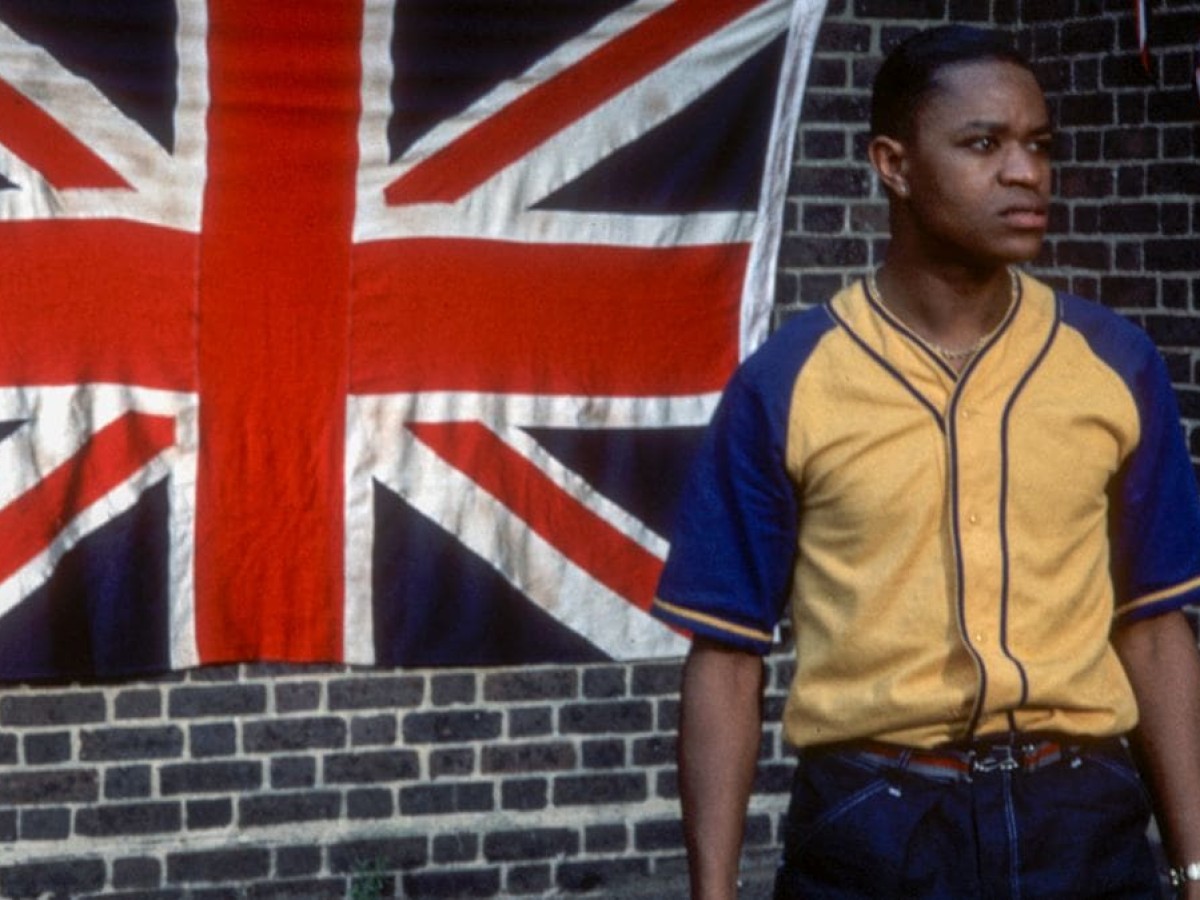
{"points": [[492, 316], [541, 113], [594, 545], [85, 304], [29, 132], [114, 453], [275, 267]]}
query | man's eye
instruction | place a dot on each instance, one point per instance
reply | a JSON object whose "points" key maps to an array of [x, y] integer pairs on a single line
{"points": [[983, 144]]}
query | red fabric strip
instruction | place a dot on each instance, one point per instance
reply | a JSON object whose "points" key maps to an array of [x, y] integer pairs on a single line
{"points": [[87, 304], [111, 455], [493, 316], [583, 537], [499, 140], [273, 320], [30, 133]]}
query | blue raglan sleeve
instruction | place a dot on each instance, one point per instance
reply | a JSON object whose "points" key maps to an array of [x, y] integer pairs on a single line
{"points": [[1155, 503], [729, 570]]}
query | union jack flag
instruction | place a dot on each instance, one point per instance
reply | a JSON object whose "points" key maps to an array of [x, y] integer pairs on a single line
{"points": [[377, 332]]}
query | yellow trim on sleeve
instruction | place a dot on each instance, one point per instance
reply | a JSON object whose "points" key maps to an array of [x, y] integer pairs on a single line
{"points": [[1164, 594], [713, 622]]}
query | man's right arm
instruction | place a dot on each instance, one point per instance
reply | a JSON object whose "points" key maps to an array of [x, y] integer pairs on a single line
{"points": [[720, 731]]}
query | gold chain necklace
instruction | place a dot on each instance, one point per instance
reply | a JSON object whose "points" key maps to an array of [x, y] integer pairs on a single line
{"points": [[945, 352]]}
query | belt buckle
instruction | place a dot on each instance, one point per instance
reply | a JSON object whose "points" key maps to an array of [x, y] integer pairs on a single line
{"points": [[998, 758]]}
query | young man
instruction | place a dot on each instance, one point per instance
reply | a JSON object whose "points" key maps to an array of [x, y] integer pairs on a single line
{"points": [[973, 495]]}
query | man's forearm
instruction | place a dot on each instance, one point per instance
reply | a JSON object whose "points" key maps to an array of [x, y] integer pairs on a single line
{"points": [[1163, 665], [720, 731]]}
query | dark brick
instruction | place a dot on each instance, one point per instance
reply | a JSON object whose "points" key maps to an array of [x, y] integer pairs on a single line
{"points": [[533, 879], [523, 686], [605, 838], [296, 862], [293, 772], [1089, 182], [8, 826], [1117, 292], [1173, 178], [590, 790], [224, 700], [59, 879], [525, 793], [446, 690], [369, 803], [136, 872], [1083, 254], [1093, 35], [373, 730], [1129, 218], [618, 717], [842, 36], [820, 218], [8, 749], [1171, 254], [45, 824], [395, 692], [207, 741], [530, 722], [447, 727], [206, 778], [604, 683], [608, 874], [604, 754], [456, 761], [215, 813], [46, 710], [276, 809], [824, 252], [50, 786], [289, 735], [109, 744], [139, 703], [45, 748], [827, 72], [455, 848], [128, 782], [128, 819], [446, 797], [656, 679], [899, 9], [851, 182], [381, 765], [530, 843], [453, 883], [658, 750], [219, 865], [386, 853], [559, 755], [310, 889], [293, 697]]}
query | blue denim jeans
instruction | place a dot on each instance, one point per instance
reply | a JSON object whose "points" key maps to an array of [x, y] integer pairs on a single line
{"points": [[866, 825]]}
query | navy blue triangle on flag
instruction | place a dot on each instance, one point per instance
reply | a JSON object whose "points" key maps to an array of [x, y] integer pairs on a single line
{"points": [[104, 611], [685, 165], [488, 43], [126, 50], [436, 603]]}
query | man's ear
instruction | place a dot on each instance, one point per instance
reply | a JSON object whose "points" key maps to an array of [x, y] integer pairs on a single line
{"points": [[888, 158]]}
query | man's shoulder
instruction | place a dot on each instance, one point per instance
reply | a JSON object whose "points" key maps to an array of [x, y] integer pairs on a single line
{"points": [[1120, 342]]}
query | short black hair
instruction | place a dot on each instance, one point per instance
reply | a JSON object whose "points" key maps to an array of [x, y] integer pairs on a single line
{"points": [[910, 71]]}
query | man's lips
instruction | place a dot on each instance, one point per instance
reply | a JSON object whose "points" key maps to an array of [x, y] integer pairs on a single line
{"points": [[1032, 218]]}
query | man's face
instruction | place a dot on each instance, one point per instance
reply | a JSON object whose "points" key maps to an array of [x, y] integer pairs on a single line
{"points": [[978, 165]]}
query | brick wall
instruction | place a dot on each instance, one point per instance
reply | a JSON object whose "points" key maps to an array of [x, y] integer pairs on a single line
{"points": [[270, 781]]}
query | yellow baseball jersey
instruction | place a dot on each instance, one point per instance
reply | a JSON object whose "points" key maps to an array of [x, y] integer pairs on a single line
{"points": [[955, 549]]}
